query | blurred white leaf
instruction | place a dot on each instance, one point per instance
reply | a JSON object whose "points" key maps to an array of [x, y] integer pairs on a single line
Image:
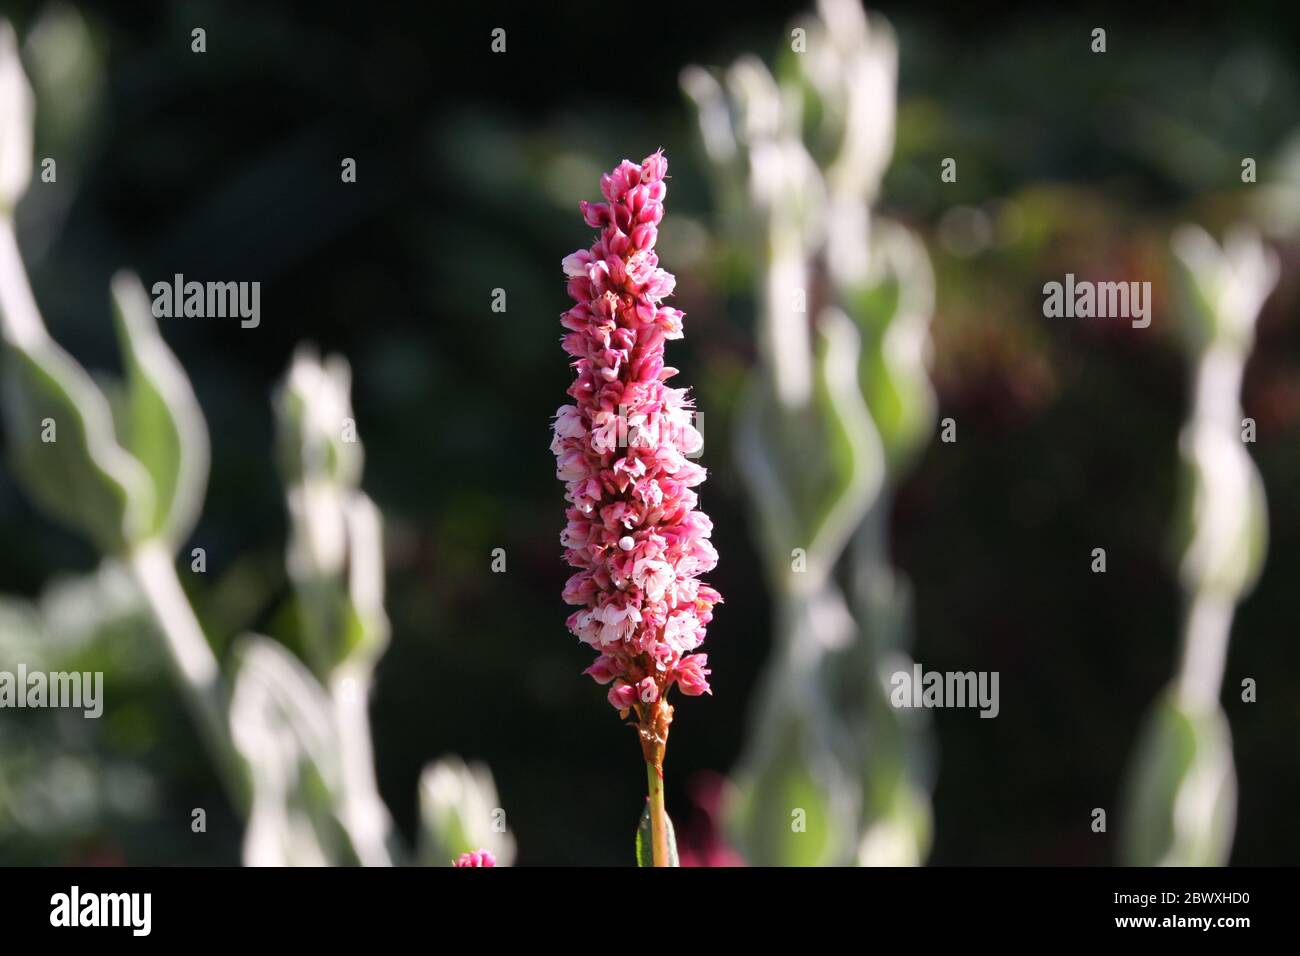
{"points": [[82, 477], [16, 108], [460, 812], [317, 439], [281, 723], [1224, 287]]}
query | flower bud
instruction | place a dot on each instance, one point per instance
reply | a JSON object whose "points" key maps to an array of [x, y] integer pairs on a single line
{"points": [[654, 167], [622, 695], [692, 676]]}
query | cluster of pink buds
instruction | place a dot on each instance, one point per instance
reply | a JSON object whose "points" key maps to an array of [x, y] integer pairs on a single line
{"points": [[477, 858], [622, 450]]}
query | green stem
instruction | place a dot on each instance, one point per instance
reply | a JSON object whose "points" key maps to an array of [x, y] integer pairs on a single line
{"points": [[658, 817], [192, 660]]}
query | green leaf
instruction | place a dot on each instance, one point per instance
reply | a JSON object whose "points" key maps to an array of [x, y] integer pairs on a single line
{"points": [[814, 471], [335, 557], [1221, 288], [60, 434], [899, 835], [1181, 805], [367, 635], [645, 840], [795, 803], [165, 429], [22, 638], [316, 438], [784, 812], [892, 310]]}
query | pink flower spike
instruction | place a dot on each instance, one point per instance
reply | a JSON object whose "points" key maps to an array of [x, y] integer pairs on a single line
{"points": [[633, 534], [477, 858]]}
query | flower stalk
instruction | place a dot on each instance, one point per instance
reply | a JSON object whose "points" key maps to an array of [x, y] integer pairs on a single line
{"points": [[192, 660], [658, 815]]}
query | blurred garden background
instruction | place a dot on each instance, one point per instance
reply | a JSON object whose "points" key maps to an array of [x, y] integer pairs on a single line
{"points": [[470, 166]]}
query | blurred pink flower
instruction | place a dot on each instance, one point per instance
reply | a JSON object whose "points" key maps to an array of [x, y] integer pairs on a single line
{"points": [[477, 858], [701, 841]]}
